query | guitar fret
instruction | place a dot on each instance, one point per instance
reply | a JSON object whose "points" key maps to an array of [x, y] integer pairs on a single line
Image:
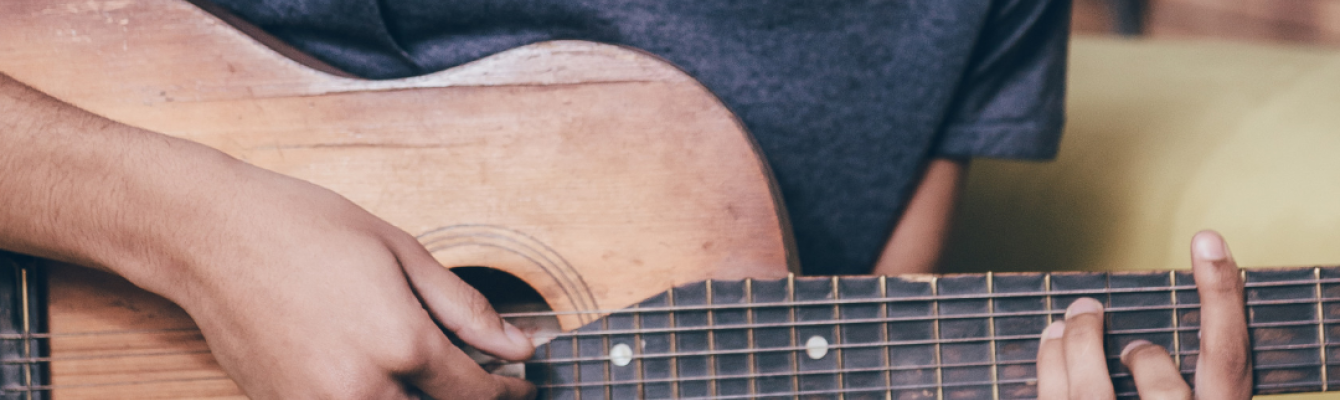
{"points": [[991, 331], [837, 338], [965, 340], [1321, 331], [1016, 343], [939, 361], [657, 373], [791, 317], [1308, 376], [960, 336], [594, 351], [1329, 294], [673, 341], [1176, 322], [638, 350], [749, 298], [624, 378], [727, 338], [884, 332], [689, 345], [711, 344], [1188, 338], [769, 364], [1156, 321], [609, 376], [862, 367], [818, 329], [915, 365]]}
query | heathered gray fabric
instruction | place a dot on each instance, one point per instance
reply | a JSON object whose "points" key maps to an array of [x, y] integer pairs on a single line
{"points": [[847, 98]]}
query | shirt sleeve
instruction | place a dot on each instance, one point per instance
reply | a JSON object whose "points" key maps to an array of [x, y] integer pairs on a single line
{"points": [[1010, 102]]}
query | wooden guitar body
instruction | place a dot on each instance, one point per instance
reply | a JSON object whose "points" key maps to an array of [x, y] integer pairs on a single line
{"points": [[598, 175]]}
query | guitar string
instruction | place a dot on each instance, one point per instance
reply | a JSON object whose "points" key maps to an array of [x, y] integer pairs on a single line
{"points": [[820, 303], [815, 303], [722, 352], [790, 373], [748, 307], [579, 386], [792, 304]]}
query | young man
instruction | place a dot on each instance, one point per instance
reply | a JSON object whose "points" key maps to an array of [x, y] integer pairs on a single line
{"points": [[866, 111]]}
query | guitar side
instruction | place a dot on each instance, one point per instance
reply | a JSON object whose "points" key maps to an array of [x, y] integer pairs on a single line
{"points": [[598, 175]]}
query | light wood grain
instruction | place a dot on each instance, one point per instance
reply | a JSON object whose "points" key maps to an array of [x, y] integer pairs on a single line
{"points": [[598, 175]]}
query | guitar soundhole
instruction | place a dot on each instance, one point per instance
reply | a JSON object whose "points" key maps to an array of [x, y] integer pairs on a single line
{"points": [[518, 303], [502, 289]]}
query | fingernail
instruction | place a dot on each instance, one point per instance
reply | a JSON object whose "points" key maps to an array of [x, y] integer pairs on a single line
{"points": [[1209, 247], [516, 335], [1083, 305], [1132, 346], [1054, 331]]}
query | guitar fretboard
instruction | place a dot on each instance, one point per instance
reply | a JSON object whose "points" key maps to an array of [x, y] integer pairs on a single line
{"points": [[947, 337]]}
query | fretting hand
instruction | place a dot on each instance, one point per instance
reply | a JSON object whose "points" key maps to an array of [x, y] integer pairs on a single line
{"points": [[1073, 365]]}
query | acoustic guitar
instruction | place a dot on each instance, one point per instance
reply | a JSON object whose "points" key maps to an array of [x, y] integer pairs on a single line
{"points": [[609, 184]]}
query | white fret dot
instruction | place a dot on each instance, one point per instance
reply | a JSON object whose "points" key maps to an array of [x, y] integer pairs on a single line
{"points": [[621, 354], [816, 347]]}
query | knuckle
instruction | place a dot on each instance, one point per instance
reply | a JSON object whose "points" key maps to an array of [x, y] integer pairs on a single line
{"points": [[346, 384], [406, 356]]}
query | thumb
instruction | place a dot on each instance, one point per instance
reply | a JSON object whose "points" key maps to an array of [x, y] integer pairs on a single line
{"points": [[458, 306]]}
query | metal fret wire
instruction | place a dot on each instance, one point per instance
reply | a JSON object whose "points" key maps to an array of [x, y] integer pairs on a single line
{"points": [[711, 343], [749, 316], [795, 358], [939, 361], [1321, 330], [1176, 322], [836, 331], [991, 328], [674, 344]]}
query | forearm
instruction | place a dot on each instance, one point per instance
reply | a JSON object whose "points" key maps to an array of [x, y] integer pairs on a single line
{"points": [[80, 188], [918, 239]]}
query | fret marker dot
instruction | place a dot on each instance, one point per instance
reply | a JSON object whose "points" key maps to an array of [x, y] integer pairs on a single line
{"points": [[816, 347], [621, 354]]}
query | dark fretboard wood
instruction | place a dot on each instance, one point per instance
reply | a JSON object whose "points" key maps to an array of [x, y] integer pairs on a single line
{"points": [[22, 300], [947, 337]]}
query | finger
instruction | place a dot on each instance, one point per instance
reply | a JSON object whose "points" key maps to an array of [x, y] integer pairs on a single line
{"points": [[458, 306], [1223, 370], [1052, 382], [450, 374], [1156, 377], [1086, 363]]}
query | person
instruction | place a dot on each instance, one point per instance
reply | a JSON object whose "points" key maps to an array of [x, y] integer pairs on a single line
{"points": [[867, 112]]}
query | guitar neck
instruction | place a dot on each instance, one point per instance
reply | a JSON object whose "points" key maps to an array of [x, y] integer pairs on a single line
{"points": [[923, 337]]}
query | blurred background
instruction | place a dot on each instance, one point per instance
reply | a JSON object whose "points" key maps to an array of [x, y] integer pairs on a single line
{"points": [[1182, 115], [1259, 21]]}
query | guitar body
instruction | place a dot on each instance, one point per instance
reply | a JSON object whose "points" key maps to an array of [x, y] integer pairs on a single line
{"points": [[599, 176]]}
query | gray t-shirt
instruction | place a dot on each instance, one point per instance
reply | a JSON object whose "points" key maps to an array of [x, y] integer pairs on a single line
{"points": [[848, 99]]}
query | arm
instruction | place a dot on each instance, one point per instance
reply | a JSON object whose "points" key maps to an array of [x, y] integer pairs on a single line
{"points": [[1072, 365], [299, 292], [918, 239]]}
